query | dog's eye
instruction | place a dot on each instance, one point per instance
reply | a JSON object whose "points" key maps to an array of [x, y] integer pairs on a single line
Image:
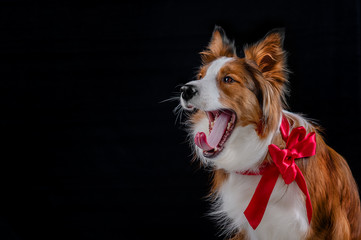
{"points": [[228, 79]]}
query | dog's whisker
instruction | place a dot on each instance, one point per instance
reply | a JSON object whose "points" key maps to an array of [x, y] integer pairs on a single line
{"points": [[178, 111], [170, 99], [177, 108], [179, 85]]}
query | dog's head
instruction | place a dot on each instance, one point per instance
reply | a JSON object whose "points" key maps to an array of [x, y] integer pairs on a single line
{"points": [[237, 101]]}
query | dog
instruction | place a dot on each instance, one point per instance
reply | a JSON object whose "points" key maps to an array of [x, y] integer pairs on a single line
{"points": [[273, 176]]}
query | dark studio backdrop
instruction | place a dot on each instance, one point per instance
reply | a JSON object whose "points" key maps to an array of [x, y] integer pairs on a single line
{"points": [[89, 152]]}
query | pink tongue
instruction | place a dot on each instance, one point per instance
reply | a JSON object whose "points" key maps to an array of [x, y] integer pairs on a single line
{"points": [[216, 134]]}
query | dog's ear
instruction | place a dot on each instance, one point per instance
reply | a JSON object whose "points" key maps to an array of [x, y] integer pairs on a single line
{"points": [[266, 61], [269, 56], [219, 46]]}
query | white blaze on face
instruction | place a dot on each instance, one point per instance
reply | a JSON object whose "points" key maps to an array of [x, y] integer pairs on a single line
{"points": [[207, 98]]}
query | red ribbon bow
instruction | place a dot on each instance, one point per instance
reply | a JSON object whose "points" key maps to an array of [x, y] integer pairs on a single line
{"points": [[298, 145]]}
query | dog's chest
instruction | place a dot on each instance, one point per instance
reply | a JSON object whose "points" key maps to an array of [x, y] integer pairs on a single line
{"points": [[285, 216]]}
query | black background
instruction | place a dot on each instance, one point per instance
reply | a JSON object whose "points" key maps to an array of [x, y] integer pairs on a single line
{"points": [[88, 150]]}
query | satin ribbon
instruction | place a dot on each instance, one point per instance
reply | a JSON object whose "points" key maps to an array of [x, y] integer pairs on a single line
{"points": [[298, 145]]}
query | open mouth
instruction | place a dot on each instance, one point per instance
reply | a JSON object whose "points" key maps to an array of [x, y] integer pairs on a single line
{"points": [[221, 125]]}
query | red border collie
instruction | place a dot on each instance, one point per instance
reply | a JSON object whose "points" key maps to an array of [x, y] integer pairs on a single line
{"points": [[303, 189]]}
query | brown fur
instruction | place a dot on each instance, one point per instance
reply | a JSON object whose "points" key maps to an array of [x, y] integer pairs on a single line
{"points": [[257, 97], [334, 195]]}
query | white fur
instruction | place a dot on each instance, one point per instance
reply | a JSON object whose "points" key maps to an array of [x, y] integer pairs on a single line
{"points": [[207, 98], [285, 216], [302, 120]]}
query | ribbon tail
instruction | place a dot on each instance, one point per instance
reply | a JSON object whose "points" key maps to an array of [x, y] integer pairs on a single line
{"points": [[284, 128], [258, 204], [301, 182]]}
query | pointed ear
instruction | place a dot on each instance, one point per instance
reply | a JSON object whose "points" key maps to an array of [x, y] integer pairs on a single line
{"points": [[219, 46], [269, 56], [267, 64]]}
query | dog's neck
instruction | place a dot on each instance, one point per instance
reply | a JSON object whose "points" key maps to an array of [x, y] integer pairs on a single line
{"points": [[245, 150]]}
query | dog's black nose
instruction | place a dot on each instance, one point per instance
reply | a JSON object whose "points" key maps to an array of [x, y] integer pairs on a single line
{"points": [[188, 91]]}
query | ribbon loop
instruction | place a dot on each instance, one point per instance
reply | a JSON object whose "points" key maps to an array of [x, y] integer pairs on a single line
{"points": [[298, 145]]}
